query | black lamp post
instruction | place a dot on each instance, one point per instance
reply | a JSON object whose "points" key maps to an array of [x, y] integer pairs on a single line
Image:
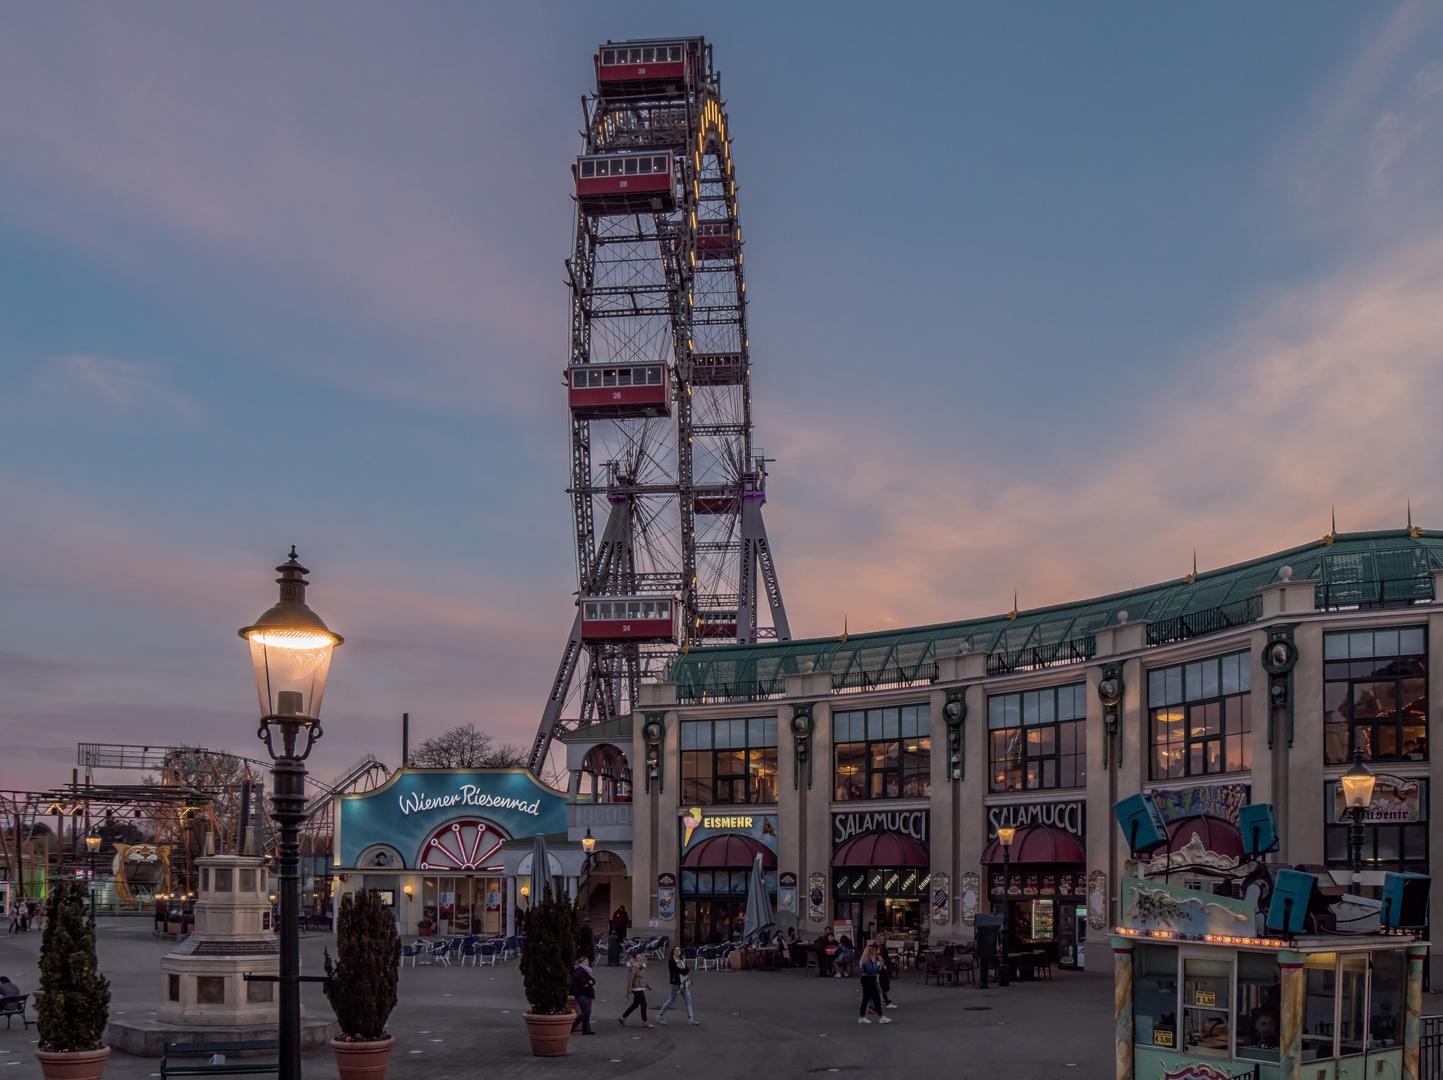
{"points": [[291, 653], [1358, 794], [1004, 966], [92, 845]]}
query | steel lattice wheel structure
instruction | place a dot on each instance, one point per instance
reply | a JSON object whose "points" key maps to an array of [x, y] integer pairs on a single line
{"points": [[659, 385]]}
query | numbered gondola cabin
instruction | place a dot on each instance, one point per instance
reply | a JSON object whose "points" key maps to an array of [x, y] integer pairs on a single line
{"points": [[654, 67], [618, 392], [628, 618], [625, 183]]}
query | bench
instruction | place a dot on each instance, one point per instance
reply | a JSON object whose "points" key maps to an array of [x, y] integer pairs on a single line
{"points": [[11, 1007], [226, 1068]]}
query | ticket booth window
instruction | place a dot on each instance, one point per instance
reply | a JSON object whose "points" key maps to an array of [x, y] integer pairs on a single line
{"points": [[1205, 1006]]}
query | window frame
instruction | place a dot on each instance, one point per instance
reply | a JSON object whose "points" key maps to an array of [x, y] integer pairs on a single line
{"points": [[998, 729], [1334, 754], [912, 764], [1173, 684], [700, 766]]}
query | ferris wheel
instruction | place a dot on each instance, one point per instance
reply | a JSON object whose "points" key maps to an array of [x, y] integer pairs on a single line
{"points": [[666, 484]]}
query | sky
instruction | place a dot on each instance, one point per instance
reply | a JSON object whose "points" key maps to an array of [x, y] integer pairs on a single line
{"points": [[1042, 298]]}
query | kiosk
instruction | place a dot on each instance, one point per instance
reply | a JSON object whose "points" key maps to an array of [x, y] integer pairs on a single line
{"points": [[1207, 990]]}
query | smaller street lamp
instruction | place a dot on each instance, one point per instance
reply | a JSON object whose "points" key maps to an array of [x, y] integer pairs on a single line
{"points": [[588, 845], [92, 845], [1358, 796], [1004, 966], [407, 889]]}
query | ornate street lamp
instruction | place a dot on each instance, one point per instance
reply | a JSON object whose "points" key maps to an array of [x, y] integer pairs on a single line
{"points": [[588, 845], [1358, 795], [291, 653], [92, 845], [1004, 966]]}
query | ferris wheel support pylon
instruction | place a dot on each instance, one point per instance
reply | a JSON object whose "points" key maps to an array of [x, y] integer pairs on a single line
{"points": [[659, 385]]}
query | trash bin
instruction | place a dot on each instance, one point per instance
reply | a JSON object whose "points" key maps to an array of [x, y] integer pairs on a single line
{"points": [[613, 950]]}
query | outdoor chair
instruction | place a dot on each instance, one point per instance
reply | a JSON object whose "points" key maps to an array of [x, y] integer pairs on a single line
{"points": [[441, 950], [472, 949], [486, 953], [932, 968], [909, 954], [689, 954], [511, 947], [963, 964], [658, 949], [413, 950], [11, 1007]]}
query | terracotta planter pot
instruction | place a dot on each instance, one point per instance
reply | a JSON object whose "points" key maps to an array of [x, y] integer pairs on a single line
{"points": [[549, 1034], [73, 1064], [362, 1060]]}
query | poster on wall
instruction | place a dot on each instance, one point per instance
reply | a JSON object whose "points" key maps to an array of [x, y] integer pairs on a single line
{"points": [[970, 889], [1097, 899], [817, 897], [941, 898], [666, 897], [1213, 800], [787, 893]]}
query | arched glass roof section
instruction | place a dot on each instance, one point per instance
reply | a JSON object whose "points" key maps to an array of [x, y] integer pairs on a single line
{"points": [[1350, 570]]}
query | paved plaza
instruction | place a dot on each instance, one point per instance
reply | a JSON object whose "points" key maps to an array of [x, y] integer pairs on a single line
{"points": [[462, 1021]]}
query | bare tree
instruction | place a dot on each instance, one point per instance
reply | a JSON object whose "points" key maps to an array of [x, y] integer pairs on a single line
{"points": [[464, 747]]}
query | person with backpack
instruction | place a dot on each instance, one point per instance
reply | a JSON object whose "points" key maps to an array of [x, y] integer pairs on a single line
{"points": [[871, 967], [680, 973]]}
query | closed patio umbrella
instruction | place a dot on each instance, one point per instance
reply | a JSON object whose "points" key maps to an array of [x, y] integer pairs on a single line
{"points": [[540, 869], [759, 903]]}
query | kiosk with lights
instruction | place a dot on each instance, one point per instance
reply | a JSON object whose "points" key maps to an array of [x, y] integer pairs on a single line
{"points": [[1210, 987]]}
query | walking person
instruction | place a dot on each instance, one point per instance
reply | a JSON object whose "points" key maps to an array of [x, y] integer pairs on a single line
{"points": [[636, 986], [884, 980], [870, 996], [583, 989], [680, 972]]}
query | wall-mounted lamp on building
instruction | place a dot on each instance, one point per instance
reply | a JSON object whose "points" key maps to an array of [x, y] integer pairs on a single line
{"points": [[1109, 691], [654, 732], [802, 725], [955, 713]]}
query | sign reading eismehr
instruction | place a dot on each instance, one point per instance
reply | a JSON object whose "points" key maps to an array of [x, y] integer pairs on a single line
{"points": [[847, 824]]}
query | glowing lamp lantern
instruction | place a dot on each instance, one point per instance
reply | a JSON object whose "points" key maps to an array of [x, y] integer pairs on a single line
{"points": [[1004, 965], [92, 844], [1006, 836], [1358, 785], [291, 651], [588, 842], [408, 890]]}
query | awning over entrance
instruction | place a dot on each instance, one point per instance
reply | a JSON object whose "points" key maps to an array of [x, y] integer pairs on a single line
{"points": [[1038, 844], [881, 849], [729, 849]]}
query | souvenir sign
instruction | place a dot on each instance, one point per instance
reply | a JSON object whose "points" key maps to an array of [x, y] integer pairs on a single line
{"points": [[1394, 800], [665, 897], [941, 898]]}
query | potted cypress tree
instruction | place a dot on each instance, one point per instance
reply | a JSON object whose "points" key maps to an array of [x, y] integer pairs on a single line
{"points": [[361, 985], [75, 1005], [548, 952]]}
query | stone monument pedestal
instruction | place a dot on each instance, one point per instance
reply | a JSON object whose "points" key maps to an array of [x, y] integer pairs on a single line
{"points": [[204, 993]]}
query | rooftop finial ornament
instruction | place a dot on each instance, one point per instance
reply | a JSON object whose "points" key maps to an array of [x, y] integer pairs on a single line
{"points": [[1413, 530], [1013, 613], [1188, 579], [1327, 541]]}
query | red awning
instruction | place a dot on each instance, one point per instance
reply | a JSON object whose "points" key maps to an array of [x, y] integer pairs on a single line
{"points": [[1038, 844], [729, 850], [881, 849], [1216, 835]]}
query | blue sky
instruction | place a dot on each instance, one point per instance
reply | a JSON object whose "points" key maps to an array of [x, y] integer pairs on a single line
{"points": [[1043, 297]]}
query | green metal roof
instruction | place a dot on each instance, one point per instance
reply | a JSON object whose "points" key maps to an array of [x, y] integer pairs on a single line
{"points": [[1350, 569]]}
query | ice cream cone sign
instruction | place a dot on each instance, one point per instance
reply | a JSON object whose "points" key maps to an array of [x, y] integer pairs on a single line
{"points": [[691, 820]]}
